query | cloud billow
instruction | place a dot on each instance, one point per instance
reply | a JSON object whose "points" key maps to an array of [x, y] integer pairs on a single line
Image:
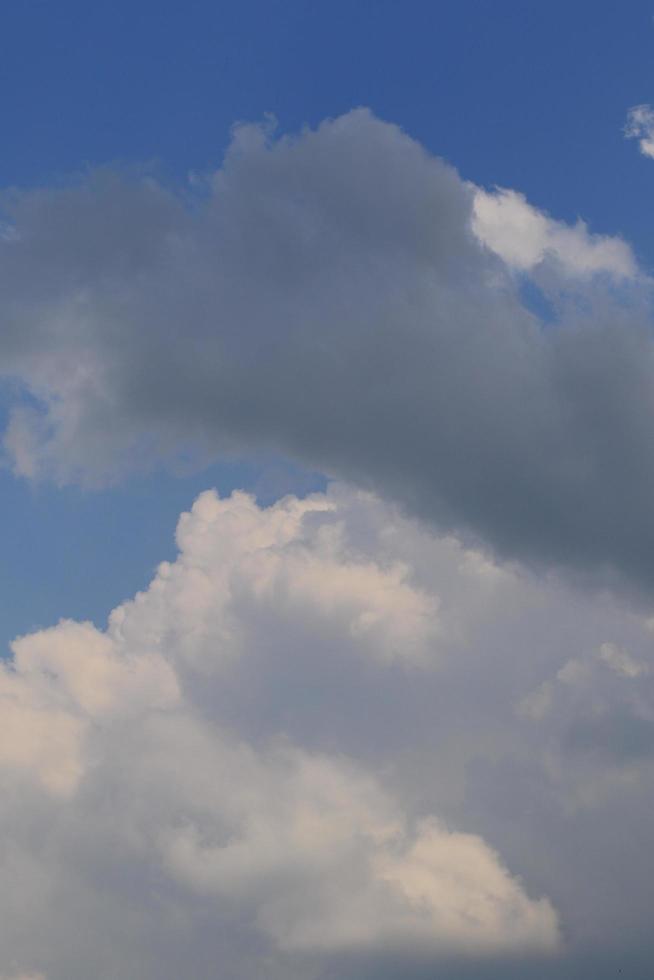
{"points": [[326, 741], [344, 298], [134, 803]]}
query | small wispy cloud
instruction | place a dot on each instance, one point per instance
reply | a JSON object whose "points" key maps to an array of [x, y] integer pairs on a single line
{"points": [[640, 126], [525, 237]]}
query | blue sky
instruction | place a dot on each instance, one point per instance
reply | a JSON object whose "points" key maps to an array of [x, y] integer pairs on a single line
{"points": [[413, 317], [90, 84]]}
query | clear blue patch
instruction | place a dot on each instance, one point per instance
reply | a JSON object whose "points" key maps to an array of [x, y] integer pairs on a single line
{"points": [[535, 300]]}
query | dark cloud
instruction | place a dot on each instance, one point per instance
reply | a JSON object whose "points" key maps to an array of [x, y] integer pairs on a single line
{"points": [[325, 296]]}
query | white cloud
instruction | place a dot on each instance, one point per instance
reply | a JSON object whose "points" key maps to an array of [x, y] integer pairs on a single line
{"points": [[46, 742], [329, 865], [60, 679], [91, 676], [153, 779], [525, 237], [640, 126], [285, 563], [325, 734]]}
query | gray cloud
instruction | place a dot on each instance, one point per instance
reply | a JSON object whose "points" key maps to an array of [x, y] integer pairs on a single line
{"points": [[619, 737], [325, 296]]}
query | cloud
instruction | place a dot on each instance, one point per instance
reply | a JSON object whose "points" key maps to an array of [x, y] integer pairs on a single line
{"points": [[288, 562], [341, 735], [323, 740], [621, 661], [25, 976], [329, 866], [525, 237], [136, 804], [325, 296], [640, 126]]}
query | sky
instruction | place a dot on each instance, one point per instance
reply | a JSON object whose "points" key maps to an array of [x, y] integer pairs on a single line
{"points": [[327, 466]]}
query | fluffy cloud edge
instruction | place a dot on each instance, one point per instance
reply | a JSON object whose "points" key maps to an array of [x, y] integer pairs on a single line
{"points": [[307, 847]]}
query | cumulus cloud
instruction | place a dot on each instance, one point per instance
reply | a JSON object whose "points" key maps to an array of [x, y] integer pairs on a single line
{"points": [[323, 740], [326, 296], [135, 805], [640, 126], [282, 564]]}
